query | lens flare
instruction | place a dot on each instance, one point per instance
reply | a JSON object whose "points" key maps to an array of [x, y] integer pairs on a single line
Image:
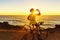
{"points": [[36, 12]]}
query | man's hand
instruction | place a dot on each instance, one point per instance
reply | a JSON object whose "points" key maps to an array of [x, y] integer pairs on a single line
{"points": [[37, 10]]}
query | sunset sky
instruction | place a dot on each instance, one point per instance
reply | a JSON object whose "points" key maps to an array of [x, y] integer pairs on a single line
{"points": [[21, 7]]}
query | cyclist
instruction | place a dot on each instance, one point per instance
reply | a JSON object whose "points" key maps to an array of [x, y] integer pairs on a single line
{"points": [[32, 17]]}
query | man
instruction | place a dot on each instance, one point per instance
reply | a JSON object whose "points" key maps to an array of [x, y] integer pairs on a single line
{"points": [[32, 17]]}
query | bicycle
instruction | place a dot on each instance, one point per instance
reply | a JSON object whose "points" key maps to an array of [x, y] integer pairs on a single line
{"points": [[40, 32], [43, 32]]}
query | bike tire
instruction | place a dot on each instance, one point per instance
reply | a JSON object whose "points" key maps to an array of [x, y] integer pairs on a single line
{"points": [[44, 34]]}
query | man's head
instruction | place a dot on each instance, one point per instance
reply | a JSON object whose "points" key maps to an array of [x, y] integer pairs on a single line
{"points": [[32, 10]]}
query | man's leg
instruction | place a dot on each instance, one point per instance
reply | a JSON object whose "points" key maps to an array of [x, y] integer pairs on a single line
{"points": [[33, 26]]}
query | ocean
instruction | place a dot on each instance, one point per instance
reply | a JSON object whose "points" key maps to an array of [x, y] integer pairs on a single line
{"points": [[49, 20]]}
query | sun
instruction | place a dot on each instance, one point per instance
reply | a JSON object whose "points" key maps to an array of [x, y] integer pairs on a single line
{"points": [[36, 12]]}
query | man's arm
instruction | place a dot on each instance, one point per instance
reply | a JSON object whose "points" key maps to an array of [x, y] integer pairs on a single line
{"points": [[28, 17], [38, 12]]}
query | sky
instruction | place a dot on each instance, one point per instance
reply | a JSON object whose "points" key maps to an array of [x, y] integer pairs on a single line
{"points": [[22, 7]]}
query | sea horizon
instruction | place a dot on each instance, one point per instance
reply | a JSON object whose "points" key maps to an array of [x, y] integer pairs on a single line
{"points": [[49, 20]]}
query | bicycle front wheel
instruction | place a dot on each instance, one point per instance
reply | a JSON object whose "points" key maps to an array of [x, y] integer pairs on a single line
{"points": [[44, 34]]}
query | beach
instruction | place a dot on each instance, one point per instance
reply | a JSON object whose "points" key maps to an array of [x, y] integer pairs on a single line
{"points": [[10, 28]]}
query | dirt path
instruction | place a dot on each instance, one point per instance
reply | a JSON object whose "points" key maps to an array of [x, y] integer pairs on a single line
{"points": [[53, 36], [18, 35]]}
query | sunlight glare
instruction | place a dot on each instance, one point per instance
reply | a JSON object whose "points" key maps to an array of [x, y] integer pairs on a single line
{"points": [[36, 12]]}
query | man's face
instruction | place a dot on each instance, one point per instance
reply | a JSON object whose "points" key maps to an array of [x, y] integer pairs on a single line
{"points": [[32, 11]]}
